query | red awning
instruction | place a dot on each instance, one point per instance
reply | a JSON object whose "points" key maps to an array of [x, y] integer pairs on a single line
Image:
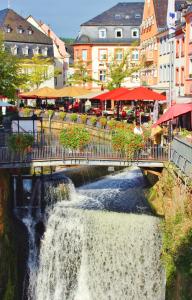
{"points": [[111, 95], [141, 93], [174, 112]]}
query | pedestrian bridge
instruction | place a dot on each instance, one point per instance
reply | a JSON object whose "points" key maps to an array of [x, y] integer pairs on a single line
{"points": [[96, 155]]}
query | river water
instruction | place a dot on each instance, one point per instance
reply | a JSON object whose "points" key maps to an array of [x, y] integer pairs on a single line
{"points": [[103, 244]]}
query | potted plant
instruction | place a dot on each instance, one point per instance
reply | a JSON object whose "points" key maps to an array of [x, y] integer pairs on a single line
{"points": [[83, 118], [93, 121], [62, 115], [103, 122], [74, 137], [74, 117]]}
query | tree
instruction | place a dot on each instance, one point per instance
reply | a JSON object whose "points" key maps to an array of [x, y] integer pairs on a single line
{"points": [[11, 76], [37, 70], [121, 69], [81, 74]]}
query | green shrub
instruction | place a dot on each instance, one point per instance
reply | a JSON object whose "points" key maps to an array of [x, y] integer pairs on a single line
{"points": [[93, 121], [83, 119], [74, 117], [103, 122], [74, 137], [62, 115], [20, 142]]}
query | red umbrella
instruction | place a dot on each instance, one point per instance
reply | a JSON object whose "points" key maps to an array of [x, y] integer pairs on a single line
{"points": [[111, 95], [173, 112], [140, 93]]}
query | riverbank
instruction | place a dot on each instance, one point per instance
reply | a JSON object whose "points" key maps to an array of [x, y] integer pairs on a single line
{"points": [[171, 198]]}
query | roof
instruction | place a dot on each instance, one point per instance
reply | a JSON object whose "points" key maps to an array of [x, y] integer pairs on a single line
{"points": [[122, 14], [10, 18], [60, 44], [161, 7]]}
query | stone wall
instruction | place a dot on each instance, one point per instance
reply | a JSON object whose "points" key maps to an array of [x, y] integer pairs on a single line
{"points": [[171, 198]]}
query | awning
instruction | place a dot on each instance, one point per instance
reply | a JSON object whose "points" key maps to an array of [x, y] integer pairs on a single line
{"points": [[72, 92], [112, 94], [42, 93], [92, 94], [174, 112], [141, 93]]}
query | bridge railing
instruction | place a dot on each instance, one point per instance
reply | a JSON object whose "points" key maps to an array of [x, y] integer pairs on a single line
{"points": [[91, 152]]}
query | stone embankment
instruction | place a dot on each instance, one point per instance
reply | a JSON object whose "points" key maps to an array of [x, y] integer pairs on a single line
{"points": [[171, 198]]}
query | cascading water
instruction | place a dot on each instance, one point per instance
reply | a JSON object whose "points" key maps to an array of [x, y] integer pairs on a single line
{"points": [[93, 249]]}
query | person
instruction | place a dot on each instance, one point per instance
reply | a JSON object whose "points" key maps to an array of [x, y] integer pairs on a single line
{"points": [[156, 136], [138, 130], [87, 106], [21, 105]]}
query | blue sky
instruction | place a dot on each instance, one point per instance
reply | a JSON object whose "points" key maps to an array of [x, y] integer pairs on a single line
{"points": [[64, 16]]}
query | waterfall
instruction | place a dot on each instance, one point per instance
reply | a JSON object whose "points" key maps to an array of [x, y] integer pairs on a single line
{"points": [[94, 249]]}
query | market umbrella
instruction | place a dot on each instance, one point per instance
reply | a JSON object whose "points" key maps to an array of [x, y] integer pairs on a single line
{"points": [[174, 112], [5, 104], [71, 92], [42, 93], [111, 95], [140, 93]]}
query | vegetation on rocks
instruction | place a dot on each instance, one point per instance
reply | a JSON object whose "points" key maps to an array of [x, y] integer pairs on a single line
{"points": [[171, 198]]}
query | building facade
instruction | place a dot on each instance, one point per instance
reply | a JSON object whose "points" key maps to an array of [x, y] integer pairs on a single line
{"points": [[26, 41], [107, 38], [61, 57]]}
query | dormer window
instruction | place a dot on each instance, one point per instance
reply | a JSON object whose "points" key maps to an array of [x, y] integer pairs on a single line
{"points": [[102, 33], [8, 29], [36, 51], [30, 31], [119, 33], [117, 17], [25, 51], [20, 30], [44, 51], [137, 16], [135, 33]]}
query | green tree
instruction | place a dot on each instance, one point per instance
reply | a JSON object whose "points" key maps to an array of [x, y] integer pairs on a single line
{"points": [[37, 70], [81, 74], [121, 69], [11, 76]]}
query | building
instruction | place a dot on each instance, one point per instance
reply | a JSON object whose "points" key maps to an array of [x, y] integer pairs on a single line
{"points": [[26, 41], [155, 44], [61, 56], [107, 37]]}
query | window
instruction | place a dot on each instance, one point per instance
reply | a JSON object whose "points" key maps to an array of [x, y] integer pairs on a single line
{"points": [[118, 54], [30, 31], [102, 33], [161, 73], [177, 48], [102, 54], [117, 17], [84, 55], [20, 30], [177, 76], [102, 75], [182, 46], [137, 16], [182, 75], [25, 51], [135, 33], [119, 33], [14, 50], [36, 51], [8, 29], [135, 55], [44, 51]]}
